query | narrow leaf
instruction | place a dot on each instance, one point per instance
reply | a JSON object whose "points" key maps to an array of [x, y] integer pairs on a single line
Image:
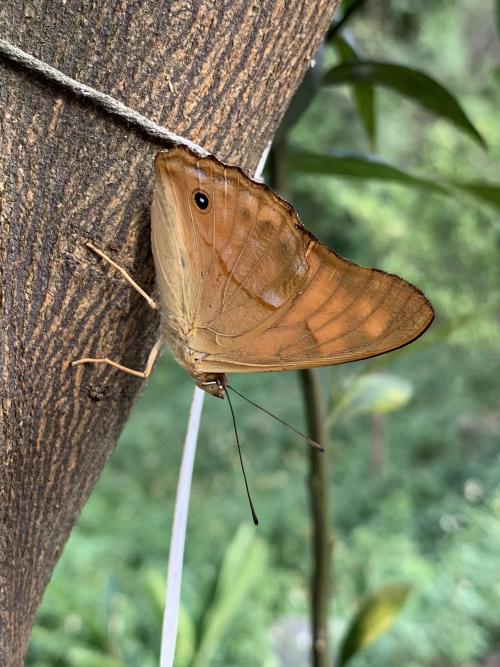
{"points": [[372, 393], [346, 49], [79, 656], [411, 83], [363, 93], [374, 617], [242, 567], [369, 168], [349, 7], [186, 639], [154, 586], [486, 192], [358, 166], [364, 96], [303, 97]]}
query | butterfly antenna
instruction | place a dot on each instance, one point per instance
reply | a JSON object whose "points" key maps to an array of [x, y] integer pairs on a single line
{"points": [[252, 509], [313, 443]]}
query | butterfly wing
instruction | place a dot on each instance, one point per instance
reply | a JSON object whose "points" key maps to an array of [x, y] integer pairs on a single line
{"points": [[228, 269], [345, 313], [178, 271], [264, 294]]}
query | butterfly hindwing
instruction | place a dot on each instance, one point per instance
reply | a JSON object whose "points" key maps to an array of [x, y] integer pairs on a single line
{"points": [[345, 313]]}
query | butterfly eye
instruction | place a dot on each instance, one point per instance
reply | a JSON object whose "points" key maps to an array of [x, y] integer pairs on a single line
{"points": [[201, 200]]}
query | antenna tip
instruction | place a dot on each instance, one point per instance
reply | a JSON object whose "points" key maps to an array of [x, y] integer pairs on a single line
{"points": [[316, 445]]}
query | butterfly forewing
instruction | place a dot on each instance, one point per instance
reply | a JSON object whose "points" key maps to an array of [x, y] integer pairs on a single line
{"points": [[256, 291], [248, 262], [176, 251]]}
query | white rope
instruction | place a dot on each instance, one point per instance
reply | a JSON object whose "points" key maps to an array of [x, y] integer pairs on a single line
{"points": [[102, 100]]}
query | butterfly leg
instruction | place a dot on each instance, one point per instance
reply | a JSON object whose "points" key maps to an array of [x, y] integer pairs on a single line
{"points": [[141, 374], [151, 302]]}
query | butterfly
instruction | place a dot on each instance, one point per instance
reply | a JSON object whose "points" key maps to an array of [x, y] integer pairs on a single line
{"points": [[244, 287]]}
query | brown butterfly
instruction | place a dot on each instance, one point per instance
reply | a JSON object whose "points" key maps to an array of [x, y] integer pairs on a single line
{"points": [[244, 287]]}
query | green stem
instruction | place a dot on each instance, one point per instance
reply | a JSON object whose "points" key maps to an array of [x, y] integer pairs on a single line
{"points": [[320, 501], [340, 24], [319, 481]]}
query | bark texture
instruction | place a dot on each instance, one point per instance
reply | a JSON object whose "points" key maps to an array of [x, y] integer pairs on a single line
{"points": [[220, 72]]}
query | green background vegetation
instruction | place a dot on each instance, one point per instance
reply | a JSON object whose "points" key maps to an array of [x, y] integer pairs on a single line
{"points": [[416, 487]]}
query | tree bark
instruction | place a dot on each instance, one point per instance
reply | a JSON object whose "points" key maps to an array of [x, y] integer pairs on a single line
{"points": [[220, 72]]}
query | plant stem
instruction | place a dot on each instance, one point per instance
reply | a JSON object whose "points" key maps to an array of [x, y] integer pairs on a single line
{"points": [[338, 25], [319, 490]]}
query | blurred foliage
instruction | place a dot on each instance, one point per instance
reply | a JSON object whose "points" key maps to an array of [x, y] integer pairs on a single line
{"points": [[370, 393], [243, 566], [410, 83], [375, 616], [430, 515]]}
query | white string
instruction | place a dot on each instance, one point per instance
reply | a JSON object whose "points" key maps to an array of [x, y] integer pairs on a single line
{"points": [[176, 554]]}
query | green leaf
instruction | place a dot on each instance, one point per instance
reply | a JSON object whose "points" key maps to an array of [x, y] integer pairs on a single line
{"points": [[346, 49], [370, 168], [154, 583], [243, 566], [364, 96], [184, 648], [375, 616], [372, 393], [486, 192], [154, 586], [363, 93], [411, 83], [78, 656], [358, 166], [303, 97], [349, 9]]}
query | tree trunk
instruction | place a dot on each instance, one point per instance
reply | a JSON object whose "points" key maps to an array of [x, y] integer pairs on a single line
{"points": [[220, 72]]}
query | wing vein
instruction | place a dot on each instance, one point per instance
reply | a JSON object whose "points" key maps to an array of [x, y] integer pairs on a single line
{"points": [[339, 314], [271, 243], [195, 233], [277, 280], [224, 296], [348, 331]]}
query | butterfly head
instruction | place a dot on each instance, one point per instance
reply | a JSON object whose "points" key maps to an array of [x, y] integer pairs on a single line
{"points": [[212, 383]]}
